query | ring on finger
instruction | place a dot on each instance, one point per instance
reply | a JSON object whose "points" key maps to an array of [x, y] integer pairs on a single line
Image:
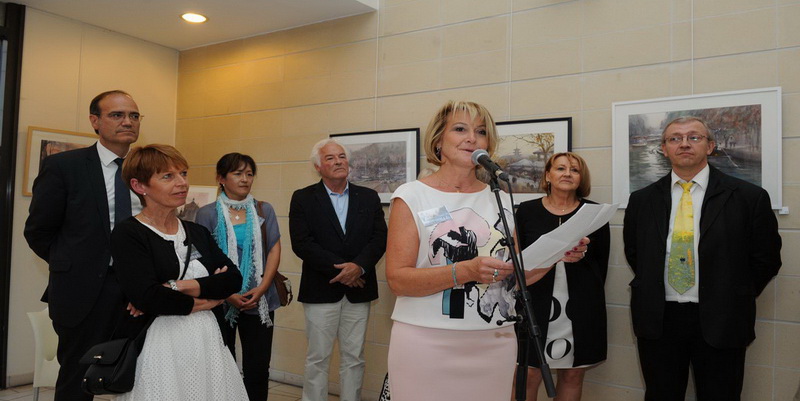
{"points": [[495, 274]]}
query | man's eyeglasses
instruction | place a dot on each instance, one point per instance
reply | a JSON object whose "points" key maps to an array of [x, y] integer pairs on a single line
{"points": [[678, 139], [119, 116]]}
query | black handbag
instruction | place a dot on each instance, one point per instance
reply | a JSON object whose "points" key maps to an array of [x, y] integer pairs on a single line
{"points": [[112, 364]]}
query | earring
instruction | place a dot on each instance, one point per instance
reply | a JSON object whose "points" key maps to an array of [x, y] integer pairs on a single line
{"points": [[438, 152], [144, 194]]}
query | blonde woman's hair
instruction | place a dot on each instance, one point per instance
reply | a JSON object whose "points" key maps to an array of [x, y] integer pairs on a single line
{"points": [[435, 130]]}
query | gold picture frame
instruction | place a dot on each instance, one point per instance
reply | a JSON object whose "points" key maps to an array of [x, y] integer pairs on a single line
{"points": [[43, 142]]}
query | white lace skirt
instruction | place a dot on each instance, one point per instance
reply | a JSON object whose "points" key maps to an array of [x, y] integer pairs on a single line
{"points": [[184, 358]]}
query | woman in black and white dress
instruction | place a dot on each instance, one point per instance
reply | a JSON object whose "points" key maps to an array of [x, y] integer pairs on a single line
{"points": [[569, 301]]}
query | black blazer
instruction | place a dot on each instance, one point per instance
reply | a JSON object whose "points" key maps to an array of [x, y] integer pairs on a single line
{"points": [[68, 226], [738, 253], [318, 240], [143, 261]]}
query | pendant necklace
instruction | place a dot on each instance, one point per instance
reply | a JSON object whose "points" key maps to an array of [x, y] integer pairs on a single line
{"points": [[235, 213]]}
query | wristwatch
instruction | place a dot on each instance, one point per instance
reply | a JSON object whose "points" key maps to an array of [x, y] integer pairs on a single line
{"points": [[173, 285]]}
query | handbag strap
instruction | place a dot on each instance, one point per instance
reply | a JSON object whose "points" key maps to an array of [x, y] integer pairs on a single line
{"points": [[188, 243], [183, 273], [263, 225]]}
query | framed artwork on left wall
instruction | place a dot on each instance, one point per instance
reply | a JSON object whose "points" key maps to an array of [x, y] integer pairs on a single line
{"points": [[43, 142]]}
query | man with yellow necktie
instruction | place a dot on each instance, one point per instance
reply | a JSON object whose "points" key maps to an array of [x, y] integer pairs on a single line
{"points": [[702, 246]]}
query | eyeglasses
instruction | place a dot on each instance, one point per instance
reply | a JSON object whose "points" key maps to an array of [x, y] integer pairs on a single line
{"points": [[678, 139], [119, 116]]}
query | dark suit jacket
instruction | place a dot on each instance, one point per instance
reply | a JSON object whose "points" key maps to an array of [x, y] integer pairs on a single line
{"points": [[738, 253], [69, 228], [318, 240]]}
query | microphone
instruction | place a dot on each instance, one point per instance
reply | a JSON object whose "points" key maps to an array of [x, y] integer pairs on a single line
{"points": [[481, 157]]}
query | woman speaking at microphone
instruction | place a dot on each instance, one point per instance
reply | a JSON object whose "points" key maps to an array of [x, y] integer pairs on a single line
{"points": [[447, 262]]}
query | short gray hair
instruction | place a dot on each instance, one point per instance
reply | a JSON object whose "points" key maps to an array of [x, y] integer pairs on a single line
{"points": [[684, 120], [321, 144]]}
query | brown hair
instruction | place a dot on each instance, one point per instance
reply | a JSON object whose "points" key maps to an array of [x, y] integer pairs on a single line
{"points": [[435, 130], [144, 161], [584, 188]]}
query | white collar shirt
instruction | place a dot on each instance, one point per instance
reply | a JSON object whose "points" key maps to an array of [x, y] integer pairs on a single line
{"points": [[107, 158]]}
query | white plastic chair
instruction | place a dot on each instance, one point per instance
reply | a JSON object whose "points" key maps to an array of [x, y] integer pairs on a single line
{"points": [[45, 370]]}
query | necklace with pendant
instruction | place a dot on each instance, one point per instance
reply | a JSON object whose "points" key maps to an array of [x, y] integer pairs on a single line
{"points": [[553, 205]]}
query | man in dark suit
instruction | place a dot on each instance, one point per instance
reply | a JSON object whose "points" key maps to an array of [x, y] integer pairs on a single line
{"points": [[338, 230], [72, 213], [688, 310]]}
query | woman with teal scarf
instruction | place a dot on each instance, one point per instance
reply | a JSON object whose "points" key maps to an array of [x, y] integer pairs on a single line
{"points": [[236, 221]]}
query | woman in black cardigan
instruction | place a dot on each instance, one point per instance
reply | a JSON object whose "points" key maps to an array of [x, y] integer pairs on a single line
{"points": [[174, 272]]}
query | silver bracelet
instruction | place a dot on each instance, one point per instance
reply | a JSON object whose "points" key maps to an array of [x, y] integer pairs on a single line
{"points": [[453, 270]]}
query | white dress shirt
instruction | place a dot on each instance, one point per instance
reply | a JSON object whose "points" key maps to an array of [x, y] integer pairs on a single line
{"points": [[107, 158]]}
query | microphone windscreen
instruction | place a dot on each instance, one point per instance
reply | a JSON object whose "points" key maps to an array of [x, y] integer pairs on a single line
{"points": [[477, 154]]}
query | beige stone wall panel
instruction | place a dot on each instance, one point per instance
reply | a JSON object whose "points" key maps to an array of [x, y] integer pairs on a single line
{"points": [[409, 16], [476, 37], [602, 89], [603, 16], [627, 49], [544, 25], [710, 8], [550, 59], [549, 95], [735, 33], [454, 11]]}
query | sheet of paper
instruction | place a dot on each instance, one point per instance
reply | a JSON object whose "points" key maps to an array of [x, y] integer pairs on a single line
{"points": [[550, 247]]}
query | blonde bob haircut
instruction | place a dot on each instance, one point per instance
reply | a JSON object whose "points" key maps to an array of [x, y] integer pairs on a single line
{"points": [[435, 130], [584, 188], [145, 161]]}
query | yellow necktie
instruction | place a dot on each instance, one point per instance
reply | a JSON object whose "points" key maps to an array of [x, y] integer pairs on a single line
{"points": [[681, 252]]}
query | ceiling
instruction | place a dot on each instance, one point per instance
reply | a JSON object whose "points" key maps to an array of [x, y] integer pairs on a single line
{"points": [[159, 21]]}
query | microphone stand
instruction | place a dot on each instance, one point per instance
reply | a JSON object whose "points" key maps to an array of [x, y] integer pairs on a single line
{"points": [[526, 323]]}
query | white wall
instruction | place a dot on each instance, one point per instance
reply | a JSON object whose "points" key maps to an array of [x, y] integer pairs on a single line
{"points": [[65, 64]]}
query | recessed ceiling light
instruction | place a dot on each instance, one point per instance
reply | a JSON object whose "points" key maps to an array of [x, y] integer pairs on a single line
{"points": [[194, 18]]}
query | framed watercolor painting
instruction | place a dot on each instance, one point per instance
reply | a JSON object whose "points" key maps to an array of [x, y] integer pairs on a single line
{"points": [[382, 160], [524, 148], [746, 126]]}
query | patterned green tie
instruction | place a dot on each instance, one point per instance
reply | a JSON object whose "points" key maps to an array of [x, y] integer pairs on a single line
{"points": [[681, 253]]}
